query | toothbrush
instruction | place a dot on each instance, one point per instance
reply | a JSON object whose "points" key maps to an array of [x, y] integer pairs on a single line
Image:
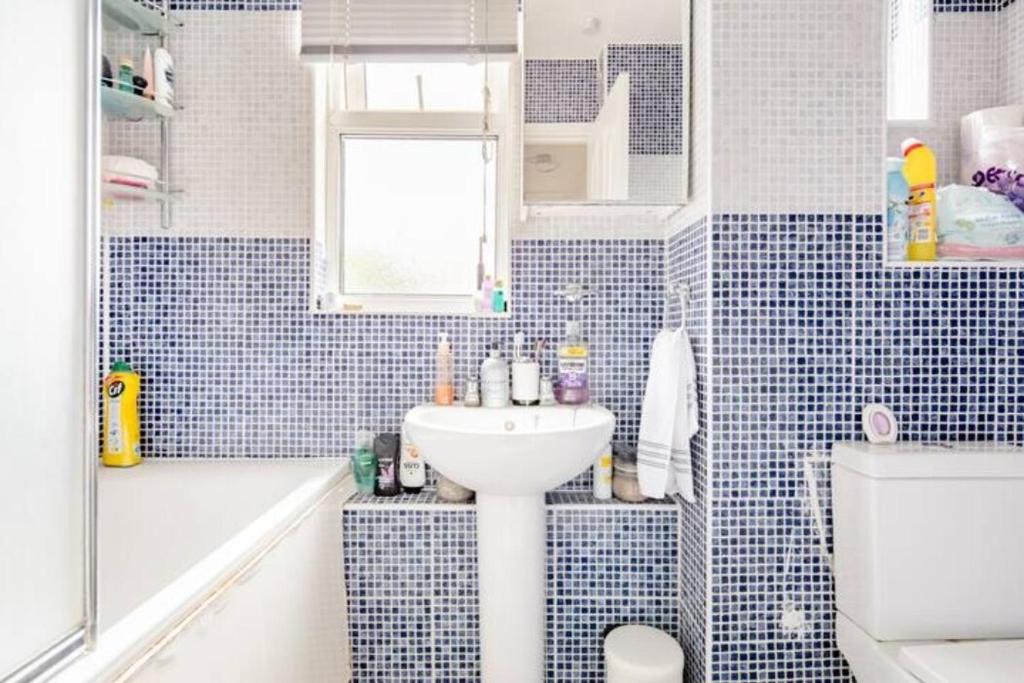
{"points": [[539, 348], [517, 346]]}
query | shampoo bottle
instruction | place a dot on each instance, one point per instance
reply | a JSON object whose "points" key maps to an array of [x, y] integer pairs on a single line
{"points": [[920, 171], [494, 389], [444, 380], [121, 433], [364, 463], [573, 385]]}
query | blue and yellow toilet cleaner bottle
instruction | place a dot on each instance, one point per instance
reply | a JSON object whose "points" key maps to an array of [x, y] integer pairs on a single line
{"points": [[121, 447]]}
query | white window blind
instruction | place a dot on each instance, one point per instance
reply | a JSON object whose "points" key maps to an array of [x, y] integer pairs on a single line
{"points": [[408, 27]]}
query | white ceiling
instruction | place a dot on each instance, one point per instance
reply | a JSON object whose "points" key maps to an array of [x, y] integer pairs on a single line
{"points": [[554, 28]]}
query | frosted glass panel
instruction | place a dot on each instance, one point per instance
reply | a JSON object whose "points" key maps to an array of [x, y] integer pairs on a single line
{"points": [[909, 75], [42, 336], [414, 213]]}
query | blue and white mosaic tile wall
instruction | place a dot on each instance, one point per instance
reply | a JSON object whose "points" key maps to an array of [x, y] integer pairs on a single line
{"points": [[569, 91], [942, 347], [235, 5], [410, 570], [234, 364], [782, 300], [686, 263], [657, 86], [807, 328], [561, 90], [970, 5]]}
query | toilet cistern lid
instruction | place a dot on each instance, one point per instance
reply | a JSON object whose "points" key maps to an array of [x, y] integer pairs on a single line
{"points": [[966, 661]]}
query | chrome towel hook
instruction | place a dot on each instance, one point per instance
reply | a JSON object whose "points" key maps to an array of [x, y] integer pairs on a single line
{"points": [[682, 292]]}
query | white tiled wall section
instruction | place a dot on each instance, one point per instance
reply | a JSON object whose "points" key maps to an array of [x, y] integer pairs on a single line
{"points": [[965, 77], [797, 105], [1013, 53], [241, 145]]}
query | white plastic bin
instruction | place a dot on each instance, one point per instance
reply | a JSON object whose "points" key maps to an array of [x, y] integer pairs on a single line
{"points": [[642, 654]]}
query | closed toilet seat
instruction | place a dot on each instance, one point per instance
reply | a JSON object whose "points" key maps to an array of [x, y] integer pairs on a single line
{"points": [[965, 661], [936, 661]]}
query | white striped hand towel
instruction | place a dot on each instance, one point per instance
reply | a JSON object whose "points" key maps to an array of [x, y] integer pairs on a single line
{"points": [[685, 423], [657, 419]]}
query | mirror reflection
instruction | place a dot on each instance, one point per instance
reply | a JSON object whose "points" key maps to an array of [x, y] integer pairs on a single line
{"points": [[605, 102]]}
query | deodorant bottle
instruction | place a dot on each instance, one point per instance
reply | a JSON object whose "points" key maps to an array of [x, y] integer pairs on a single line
{"points": [[412, 472], [385, 447]]}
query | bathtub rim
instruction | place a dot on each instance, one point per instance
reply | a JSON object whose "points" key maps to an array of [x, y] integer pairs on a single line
{"points": [[145, 630]]}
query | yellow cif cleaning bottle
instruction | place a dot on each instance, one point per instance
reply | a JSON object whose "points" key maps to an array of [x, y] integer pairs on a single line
{"points": [[920, 171], [121, 446]]}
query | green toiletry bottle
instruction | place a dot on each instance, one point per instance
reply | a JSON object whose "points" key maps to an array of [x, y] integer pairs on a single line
{"points": [[364, 463]]}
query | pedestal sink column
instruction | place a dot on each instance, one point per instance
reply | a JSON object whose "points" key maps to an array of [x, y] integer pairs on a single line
{"points": [[511, 534]]}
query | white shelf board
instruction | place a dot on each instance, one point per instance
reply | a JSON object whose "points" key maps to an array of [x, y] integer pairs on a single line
{"points": [[953, 264], [121, 104]]}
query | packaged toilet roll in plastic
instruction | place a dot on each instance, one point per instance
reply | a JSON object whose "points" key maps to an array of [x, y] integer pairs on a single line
{"points": [[992, 151]]}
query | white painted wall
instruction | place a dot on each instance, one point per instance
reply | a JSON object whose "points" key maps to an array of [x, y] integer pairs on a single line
{"points": [[42, 324], [553, 29]]}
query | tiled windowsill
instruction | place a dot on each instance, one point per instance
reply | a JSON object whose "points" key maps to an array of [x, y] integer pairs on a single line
{"points": [[427, 499]]}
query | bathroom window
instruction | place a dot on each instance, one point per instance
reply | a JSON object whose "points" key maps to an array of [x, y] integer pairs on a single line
{"points": [[411, 208], [417, 212], [910, 51]]}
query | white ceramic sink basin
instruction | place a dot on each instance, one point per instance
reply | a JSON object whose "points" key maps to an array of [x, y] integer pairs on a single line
{"points": [[510, 451], [510, 457]]}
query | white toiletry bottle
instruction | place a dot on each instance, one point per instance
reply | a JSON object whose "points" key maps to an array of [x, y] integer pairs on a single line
{"points": [[412, 471], [603, 474], [494, 389], [163, 88]]}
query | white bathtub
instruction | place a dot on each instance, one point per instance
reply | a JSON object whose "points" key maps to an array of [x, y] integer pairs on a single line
{"points": [[220, 570]]}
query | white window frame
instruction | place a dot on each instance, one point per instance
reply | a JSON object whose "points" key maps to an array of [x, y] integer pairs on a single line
{"points": [[413, 124]]}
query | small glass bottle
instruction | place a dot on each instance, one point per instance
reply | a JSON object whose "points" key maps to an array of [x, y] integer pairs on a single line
{"points": [[125, 73], [472, 396]]}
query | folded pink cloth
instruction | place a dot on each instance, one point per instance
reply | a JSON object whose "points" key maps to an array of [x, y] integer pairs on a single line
{"points": [[967, 251], [132, 181]]}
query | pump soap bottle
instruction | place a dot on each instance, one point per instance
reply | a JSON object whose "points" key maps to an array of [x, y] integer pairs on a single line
{"points": [[444, 382], [494, 389]]}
